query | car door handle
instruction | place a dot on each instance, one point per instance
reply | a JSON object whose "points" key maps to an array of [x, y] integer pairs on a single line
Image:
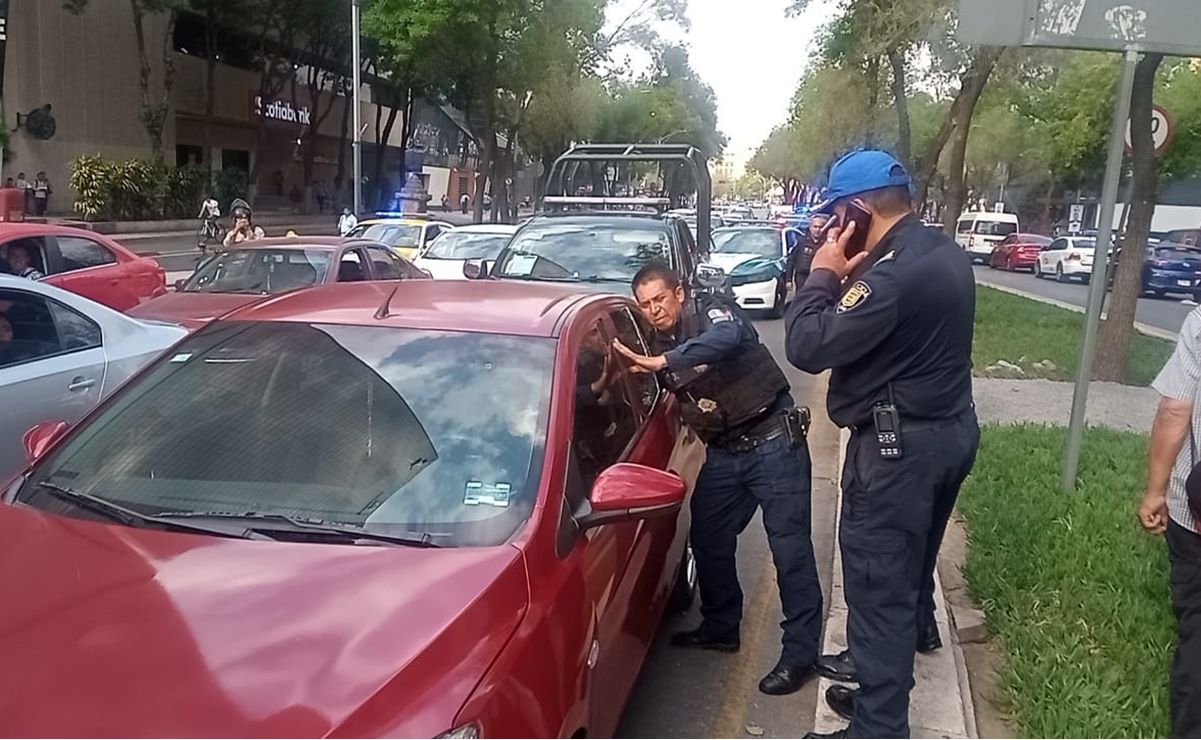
{"points": [[81, 384]]}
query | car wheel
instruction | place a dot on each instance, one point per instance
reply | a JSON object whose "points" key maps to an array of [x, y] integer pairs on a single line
{"points": [[684, 592], [1059, 276], [777, 310], [1009, 264], [1038, 273]]}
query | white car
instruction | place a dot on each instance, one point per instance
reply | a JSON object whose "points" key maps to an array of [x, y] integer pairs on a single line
{"points": [[444, 257], [754, 257], [979, 232], [1066, 258], [61, 354]]}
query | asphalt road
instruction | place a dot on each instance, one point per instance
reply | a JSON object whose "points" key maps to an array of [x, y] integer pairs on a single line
{"points": [[684, 693], [1162, 313]]}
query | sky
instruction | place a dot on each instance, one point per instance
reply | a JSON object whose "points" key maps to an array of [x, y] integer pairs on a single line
{"points": [[753, 56]]}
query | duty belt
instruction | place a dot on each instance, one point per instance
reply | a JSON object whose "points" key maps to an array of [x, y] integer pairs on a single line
{"points": [[748, 442]]}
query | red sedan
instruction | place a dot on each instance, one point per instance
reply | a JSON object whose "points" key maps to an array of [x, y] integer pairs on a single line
{"points": [[354, 511], [236, 277], [1018, 251], [86, 263]]}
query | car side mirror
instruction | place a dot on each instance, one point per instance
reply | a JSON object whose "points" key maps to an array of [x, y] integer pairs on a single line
{"points": [[710, 277], [627, 492], [180, 283], [41, 438], [477, 269]]}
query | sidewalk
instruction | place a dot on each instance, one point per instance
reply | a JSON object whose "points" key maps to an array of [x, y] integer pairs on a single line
{"points": [[940, 705]]}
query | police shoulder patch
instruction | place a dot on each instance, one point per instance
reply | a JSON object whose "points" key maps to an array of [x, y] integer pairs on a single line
{"points": [[719, 315], [855, 296]]}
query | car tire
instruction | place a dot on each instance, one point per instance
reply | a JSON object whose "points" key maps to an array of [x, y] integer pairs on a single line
{"points": [[777, 310], [1059, 276], [683, 594], [1009, 264], [1038, 273]]}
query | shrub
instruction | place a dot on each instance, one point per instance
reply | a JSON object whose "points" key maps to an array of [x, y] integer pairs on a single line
{"points": [[138, 190], [186, 188], [91, 178]]}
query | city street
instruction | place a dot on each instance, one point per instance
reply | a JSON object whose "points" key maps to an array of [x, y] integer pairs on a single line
{"points": [[683, 693], [1162, 313]]}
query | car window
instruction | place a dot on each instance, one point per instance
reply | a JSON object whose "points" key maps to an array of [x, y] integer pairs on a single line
{"points": [[791, 237], [995, 228], [584, 251], [1056, 245], [260, 271], [33, 327], [351, 268], [78, 253], [632, 334], [1006, 241], [394, 235], [604, 421], [761, 242], [401, 431], [963, 227], [431, 232], [34, 246], [466, 245], [385, 264]]}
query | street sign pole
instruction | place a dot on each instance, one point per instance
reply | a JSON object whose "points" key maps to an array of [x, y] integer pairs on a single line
{"points": [[357, 83], [1100, 281]]}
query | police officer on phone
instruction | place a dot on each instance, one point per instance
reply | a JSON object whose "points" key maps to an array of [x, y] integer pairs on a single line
{"points": [[732, 392], [889, 307]]}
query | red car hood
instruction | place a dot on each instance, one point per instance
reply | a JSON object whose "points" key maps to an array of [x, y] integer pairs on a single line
{"points": [[192, 310], [113, 631]]}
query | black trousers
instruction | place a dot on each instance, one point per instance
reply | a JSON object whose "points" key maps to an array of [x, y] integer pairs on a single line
{"points": [[729, 489], [1184, 553], [894, 514]]}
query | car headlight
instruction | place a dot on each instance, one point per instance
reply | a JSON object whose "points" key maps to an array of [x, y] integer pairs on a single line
{"points": [[463, 732]]}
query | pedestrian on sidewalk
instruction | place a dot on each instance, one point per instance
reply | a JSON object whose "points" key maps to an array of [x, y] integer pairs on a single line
{"points": [[23, 185], [346, 222], [1172, 506], [41, 194], [322, 193], [736, 397], [889, 307]]}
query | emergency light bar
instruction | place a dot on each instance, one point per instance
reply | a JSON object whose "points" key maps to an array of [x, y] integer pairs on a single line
{"points": [[603, 201]]}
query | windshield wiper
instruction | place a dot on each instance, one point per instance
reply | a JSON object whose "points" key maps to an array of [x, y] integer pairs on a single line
{"points": [[131, 517], [268, 522]]}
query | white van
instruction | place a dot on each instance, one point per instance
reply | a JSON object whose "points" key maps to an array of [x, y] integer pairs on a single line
{"points": [[979, 232]]}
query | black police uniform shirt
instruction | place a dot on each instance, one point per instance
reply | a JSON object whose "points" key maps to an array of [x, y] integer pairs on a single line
{"points": [[723, 331], [906, 318]]}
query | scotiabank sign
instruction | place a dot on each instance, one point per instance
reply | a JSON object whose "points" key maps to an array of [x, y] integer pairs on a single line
{"points": [[279, 112]]}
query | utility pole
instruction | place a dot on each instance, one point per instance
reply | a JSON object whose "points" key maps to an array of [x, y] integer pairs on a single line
{"points": [[357, 83]]}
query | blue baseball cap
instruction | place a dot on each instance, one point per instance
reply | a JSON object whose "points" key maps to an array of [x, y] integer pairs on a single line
{"points": [[860, 171]]}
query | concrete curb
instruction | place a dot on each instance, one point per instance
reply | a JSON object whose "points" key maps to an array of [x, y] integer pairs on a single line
{"points": [[940, 705], [1151, 331]]}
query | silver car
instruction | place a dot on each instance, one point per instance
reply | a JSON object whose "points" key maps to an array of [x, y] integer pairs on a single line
{"points": [[60, 354]]}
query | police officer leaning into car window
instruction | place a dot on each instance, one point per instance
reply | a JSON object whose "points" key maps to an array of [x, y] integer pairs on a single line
{"points": [[732, 392], [894, 323]]}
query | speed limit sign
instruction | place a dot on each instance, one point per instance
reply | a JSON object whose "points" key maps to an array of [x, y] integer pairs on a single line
{"points": [[1162, 128]]}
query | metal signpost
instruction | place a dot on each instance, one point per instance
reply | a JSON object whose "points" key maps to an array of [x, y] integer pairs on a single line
{"points": [[357, 83], [1128, 26]]}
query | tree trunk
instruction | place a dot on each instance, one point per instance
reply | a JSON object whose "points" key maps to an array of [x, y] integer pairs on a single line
{"points": [[873, 101], [1113, 345], [210, 84], [971, 84], [956, 192], [896, 59], [340, 175]]}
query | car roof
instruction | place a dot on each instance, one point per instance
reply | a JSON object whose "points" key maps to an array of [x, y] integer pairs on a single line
{"points": [[487, 229], [602, 218], [298, 242], [398, 220], [484, 306]]}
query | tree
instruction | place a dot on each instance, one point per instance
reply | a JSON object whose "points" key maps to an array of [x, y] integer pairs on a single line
{"points": [[220, 17], [155, 101], [1113, 345]]}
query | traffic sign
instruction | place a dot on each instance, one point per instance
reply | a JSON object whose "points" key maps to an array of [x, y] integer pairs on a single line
{"points": [[1162, 129], [1076, 213]]}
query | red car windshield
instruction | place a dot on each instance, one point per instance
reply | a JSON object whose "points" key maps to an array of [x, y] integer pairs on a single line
{"points": [[266, 271], [401, 432]]}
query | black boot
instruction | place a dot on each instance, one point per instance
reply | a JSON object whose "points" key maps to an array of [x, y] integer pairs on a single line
{"points": [[838, 667], [786, 679], [842, 700], [704, 639], [836, 733], [928, 639]]}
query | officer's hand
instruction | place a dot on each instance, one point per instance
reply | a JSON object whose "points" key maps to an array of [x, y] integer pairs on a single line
{"points": [[832, 255], [1153, 512], [641, 363]]}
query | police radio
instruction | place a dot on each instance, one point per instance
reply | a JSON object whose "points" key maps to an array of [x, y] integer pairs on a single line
{"points": [[888, 427]]}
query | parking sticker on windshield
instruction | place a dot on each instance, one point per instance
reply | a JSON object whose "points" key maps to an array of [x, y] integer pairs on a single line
{"points": [[478, 493], [521, 265], [182, 357]]}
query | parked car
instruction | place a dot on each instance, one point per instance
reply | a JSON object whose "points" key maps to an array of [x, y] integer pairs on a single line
{"points": [[407, 236], [86, 263], [1018, 252], [1172, 268], [60, 354], [399, 513], [979, 231], [236, 277], [444, 257], [1066, 258], [753, 257], [601, 249]]}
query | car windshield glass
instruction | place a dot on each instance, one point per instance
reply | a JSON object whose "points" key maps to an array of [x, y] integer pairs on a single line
{"points": [[1084, 244], [466, 245], [259, 271], [995, 228], [763, 242], [557, 251], [394, 235], [1177, 253], [399, 431]]}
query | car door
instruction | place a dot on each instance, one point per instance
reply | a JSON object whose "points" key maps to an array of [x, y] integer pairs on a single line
{"points": [[352, 266], [53, 368], [1002, 251], [89, 268], [1051, 254], [384, 264]]}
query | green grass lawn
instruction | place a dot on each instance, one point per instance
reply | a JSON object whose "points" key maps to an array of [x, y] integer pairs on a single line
{"points": [[1023, 331], [1076, 593]]}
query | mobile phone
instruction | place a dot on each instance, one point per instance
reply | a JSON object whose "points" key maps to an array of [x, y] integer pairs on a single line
{"points": [[863, 221]]}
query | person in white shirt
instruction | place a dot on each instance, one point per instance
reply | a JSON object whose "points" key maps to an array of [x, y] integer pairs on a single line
{"points": [[243, 230], [346, 222]]}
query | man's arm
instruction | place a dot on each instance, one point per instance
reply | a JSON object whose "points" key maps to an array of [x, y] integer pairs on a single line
{"points": [[823, 331], [721, 340], [1168, 434]]}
